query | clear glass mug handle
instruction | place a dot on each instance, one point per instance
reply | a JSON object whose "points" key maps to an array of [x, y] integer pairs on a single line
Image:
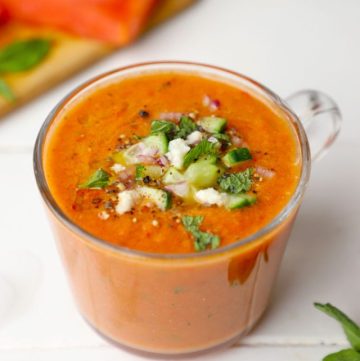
{"points": [[320, 117]]}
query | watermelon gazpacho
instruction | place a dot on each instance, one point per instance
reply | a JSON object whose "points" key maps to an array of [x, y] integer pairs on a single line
{"points": [[172, 166]]}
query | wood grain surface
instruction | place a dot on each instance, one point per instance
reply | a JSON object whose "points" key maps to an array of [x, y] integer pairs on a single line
{"points": [[69, 54]]}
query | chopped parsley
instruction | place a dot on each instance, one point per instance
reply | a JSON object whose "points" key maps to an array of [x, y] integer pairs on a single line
{"points": [[99, 179], [202, 240], [203, 148], [236, 183]]}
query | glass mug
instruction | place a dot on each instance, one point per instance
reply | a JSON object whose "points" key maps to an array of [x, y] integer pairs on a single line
{"points": [[180, 304]]}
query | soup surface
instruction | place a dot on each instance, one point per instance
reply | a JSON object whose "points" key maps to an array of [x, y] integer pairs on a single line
{"points": [[171, 163]]}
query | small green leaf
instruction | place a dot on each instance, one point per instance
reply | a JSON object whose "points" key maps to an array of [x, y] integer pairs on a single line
{"points": [[23, 55], [203, 148], [344, 355], [163, 126], [5, 91], [99, 179], [223, 138], [236, 182], [202, 240], [186, 127], [351, 329]]}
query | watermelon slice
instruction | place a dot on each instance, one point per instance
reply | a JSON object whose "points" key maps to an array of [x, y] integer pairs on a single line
{"points": [[113, 21], [4, 14]]}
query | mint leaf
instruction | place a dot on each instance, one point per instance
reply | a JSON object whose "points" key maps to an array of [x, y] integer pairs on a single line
{"points": [[186, 127], [5, 91], [163, 126], [351, 329], [203, 148], [201, 239], [99, 179], [23, 55], [344, 355], [236, 182]]}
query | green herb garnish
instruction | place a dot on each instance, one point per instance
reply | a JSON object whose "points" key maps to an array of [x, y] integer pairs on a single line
{"points": [[236, 182], [351, 329], [23, 55], [344, 355], [5, 91], [163, 126], [203, 148], [99, 179], [186, 127], [201, 239], [223, 138]]}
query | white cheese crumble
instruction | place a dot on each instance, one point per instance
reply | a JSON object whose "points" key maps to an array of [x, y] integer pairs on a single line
{"points": [[194, 137], [177, 150], [155, 223], [117, 168], [210, 196], [126, 201]]}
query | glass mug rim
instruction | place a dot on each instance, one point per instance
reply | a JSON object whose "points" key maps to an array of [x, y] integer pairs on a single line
{"points": [[85, 86]]}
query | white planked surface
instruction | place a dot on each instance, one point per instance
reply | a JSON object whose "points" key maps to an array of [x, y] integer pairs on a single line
{"points": [[287, 45]]}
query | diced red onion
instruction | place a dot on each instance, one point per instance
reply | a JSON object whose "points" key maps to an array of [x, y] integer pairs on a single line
{"points": [[170, 116], [212, 104], [146, 159], [163, 161], [264, 172], [180, 189]]}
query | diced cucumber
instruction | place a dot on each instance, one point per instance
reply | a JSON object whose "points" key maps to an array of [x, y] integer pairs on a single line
{"points": [[157, 141], [209, 159], [173, 176], [213, 124], [151, 171], [159, 197], [236, 156], [240, 201], [202, 174]]}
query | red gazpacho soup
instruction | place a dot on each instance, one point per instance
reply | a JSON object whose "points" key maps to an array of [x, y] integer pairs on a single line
{"points": [[171, 163]]}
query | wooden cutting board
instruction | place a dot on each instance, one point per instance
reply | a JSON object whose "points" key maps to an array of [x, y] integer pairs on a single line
{"points": [[68, 55]]}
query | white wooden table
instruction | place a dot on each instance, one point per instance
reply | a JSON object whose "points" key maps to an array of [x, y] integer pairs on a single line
{"points": [[285, 44]]}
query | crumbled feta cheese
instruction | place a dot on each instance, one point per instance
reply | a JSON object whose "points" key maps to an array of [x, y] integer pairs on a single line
{"points": [[194, 137], [126, 201], [210, 196], [117, 168], [155, 223], [104, 215], [177, 150]]}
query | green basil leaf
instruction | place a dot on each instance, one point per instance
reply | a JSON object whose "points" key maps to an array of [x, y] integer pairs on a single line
{"points": [[5, 91], [99, 179], [351, 329], [344, 355], [23, 55], [236, 182]]}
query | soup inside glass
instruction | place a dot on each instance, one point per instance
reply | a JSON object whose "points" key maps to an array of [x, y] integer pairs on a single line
{"points": [[138, 277]]}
